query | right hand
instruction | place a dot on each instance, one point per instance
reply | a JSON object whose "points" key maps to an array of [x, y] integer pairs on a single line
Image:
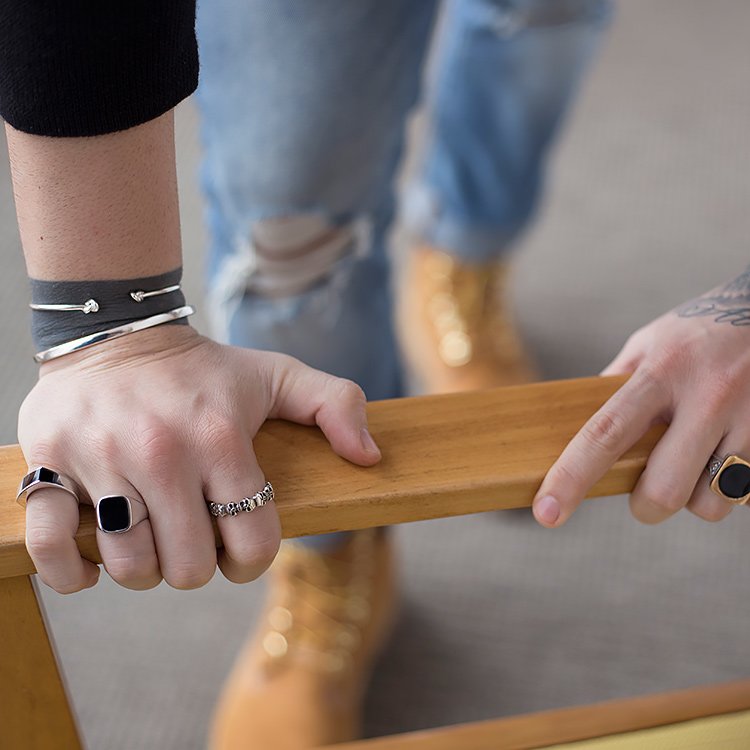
{"points": [[168, 416]]}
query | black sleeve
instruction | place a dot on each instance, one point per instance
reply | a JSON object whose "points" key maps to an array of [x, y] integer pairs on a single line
{"points": [[88, 67]]}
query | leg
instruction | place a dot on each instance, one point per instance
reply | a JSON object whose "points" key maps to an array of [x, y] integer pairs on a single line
{"points": [[508, 72], [506, 76], [303, 107], [303, 110]]}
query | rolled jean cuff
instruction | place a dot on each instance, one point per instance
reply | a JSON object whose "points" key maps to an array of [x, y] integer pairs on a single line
{"points": [[421, 217]]}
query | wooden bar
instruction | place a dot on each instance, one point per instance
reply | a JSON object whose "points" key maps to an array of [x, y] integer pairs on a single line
{"points": [[553, 728], [34, 710], [442, 456]]}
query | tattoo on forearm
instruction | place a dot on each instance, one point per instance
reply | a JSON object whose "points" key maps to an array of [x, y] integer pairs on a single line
{"points": [[727, 304]]}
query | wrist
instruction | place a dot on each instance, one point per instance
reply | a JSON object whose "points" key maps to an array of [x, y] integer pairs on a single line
{"points": [[149, 345], [67, 311]]}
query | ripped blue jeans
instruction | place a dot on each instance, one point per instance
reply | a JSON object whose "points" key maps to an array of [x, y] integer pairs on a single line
{"points": [[304, 105]]}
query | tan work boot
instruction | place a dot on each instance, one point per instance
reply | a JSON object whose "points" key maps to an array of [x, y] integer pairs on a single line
{"points": [[300, 680], [455, 324]]}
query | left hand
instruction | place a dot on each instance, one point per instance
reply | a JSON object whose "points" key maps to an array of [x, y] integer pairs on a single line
{"points": [[690, 369]]}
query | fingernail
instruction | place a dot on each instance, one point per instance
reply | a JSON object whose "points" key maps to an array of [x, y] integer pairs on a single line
{"points": [[367, 442], [547, 509]]}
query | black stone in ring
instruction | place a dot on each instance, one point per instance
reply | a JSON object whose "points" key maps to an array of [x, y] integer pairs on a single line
{"points": [[734, 481], [114, 514], [730, 478]]}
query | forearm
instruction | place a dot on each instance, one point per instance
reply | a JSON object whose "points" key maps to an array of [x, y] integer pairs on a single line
{"points": [[97, 208]]}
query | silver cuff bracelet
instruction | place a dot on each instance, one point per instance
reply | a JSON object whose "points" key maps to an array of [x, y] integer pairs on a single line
{"points": [[68, 347]]}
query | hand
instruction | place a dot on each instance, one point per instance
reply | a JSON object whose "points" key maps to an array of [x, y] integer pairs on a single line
{"points": [[691, 370], [167, 416]]}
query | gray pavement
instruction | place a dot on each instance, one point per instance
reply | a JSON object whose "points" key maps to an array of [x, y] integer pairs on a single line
{"points": [[647, 206]]}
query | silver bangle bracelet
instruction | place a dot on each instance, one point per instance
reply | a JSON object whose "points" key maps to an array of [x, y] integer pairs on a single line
{"points": [[92, 306], [139, 296], [68, 347], [89, 306]]}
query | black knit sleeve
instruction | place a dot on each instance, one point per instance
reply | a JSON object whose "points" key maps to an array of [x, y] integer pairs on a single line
{"points": [[88, 67]]}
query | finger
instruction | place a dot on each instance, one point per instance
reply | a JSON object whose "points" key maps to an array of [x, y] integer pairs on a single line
{"points": [[129, 557], [709, 506], [250, 539], [161, 467], [52, 519], [600, 442], [627, 360], [675, 465], [336, 405], [704, 502]]}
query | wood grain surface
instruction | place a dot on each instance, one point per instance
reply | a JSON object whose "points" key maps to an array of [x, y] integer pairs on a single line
{"points": [[442, 456], [548, 728], [34, 709]]}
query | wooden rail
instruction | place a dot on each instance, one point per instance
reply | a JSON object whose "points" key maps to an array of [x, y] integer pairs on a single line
{"points": [[442, 456], [628, 716]]}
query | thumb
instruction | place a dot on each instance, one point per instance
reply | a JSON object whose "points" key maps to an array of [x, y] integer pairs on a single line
{"points": [[338, 406]]}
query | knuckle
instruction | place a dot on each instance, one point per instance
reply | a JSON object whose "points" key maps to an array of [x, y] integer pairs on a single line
{"points": [[566, 474], [723, 389], [188, 575], [219, 429], [633, 344], [287, 362], [44, 542], [47, 450], [665, 499], [107, 446], [282, 371], [606, 430], [349, 390], [656, 374], [259, 556], [157, 445], [638, 336], [226, 447], [712, 512], [29, 418], [671, 357], [246, 568], [68, 587], [133, 570]]}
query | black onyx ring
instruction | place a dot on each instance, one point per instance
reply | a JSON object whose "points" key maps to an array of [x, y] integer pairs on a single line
{"points": [[246, 505], [116, 514], [730, 478], [42, 477]]}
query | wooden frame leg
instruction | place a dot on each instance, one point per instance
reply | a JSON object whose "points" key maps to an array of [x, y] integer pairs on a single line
{"points": [[34, 709]]}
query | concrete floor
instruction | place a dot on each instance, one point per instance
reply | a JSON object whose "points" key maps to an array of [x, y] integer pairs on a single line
{"points": [[647, 206]]}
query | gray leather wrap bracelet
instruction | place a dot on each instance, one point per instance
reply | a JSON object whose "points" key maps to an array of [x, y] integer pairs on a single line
{"points": [[86, 307]]}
